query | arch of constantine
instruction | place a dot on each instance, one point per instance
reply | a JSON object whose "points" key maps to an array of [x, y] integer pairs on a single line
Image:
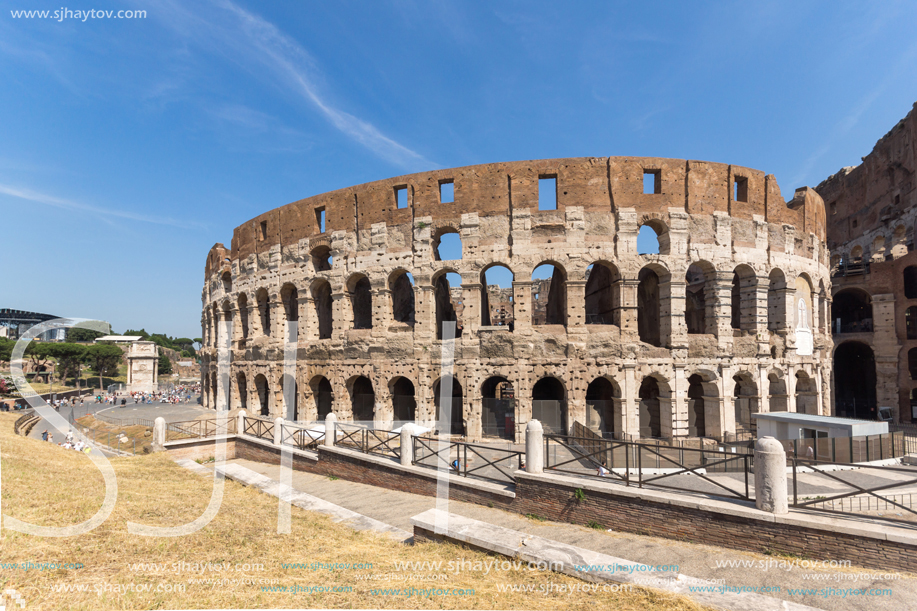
{"points": [[729, 318]]}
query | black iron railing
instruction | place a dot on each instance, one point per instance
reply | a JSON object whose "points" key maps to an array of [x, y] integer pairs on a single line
{"points": [[468, 459]]}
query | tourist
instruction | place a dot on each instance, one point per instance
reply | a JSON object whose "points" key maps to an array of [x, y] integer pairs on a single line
{"points": [[44, 435], [602, 471]]}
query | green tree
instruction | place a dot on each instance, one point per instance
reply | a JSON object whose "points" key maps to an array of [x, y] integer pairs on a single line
{"points": [[83, 335], [165, 365], [199, 341], [103, 359], [6, 349], [68, 358], [142, 333]]}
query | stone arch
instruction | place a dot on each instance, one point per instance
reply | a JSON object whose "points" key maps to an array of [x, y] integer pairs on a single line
{"points": [[878, 249], [549, 297], [700, 298], [549, 404], [603, 294], [851, 311], [745, 402], [806, 394], [703, 405], [744, 302], [776, 391], [263, 302], [498, 408], [654, 407], [361, 300], [910, 282], [265, 404], [401, 285], [856, 254], [455, 404], [226, 281], [446, 303], [450, 240], [289, 392], [362, 399], [289, 297], [497, 302], [322, 396], [242, 302], [321, 300], [404, 402], [661, 229], [241, 391], [776, 300], [855, 380], [899, 242], [603, 406], [653, 287], [321, 258]]}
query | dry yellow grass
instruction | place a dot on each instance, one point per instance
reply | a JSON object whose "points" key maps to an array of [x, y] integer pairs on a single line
{"points": [[50, 486]]}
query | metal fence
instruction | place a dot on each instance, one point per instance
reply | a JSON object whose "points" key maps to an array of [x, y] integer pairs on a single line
{"points": [[468, 459], [210, 427], [300, 437], [259, 427], [845, 450]]}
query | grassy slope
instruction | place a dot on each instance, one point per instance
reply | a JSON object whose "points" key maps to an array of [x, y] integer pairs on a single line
{"points": [[49, 486]]}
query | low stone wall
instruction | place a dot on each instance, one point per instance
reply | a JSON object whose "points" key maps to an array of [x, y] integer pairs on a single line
{"points": [[731, 524]]}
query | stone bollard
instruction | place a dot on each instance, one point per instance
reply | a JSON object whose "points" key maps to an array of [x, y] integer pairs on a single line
{"points": [[407, 444], [534, 447], [159, 434], [240, 422], [330, 419], [770, 476], [278, 431]]}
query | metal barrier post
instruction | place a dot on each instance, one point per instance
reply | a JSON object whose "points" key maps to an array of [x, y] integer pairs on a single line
{"points": [[639, 467]]}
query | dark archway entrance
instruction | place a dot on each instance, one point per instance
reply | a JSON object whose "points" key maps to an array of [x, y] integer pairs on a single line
{"points": [[600, 406], [549, 406], [855, 381], [456, 422], [363, 401], [403, 402], [498, 408]]}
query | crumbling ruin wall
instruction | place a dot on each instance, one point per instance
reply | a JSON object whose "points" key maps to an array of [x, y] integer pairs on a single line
{"points": [[730, 220]]}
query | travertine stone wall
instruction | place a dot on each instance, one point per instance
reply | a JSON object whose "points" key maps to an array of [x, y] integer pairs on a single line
{"points": [[772, 247]]}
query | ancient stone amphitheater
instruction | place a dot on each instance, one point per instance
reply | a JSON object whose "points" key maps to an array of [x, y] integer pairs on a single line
{"points": [[729, 318]]}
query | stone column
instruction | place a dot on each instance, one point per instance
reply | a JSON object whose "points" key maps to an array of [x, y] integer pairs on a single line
{"points": [[522, 306], [722, 308], [672, 326], [159, 434], [330, 433], [534, 447], [407, 445], [339, 327], [627, 311], [278, 431], [576, 305], [471, 308], [770, 476], [240, 422], [382, 311], [678, 411], [727, 410], [630, 416]]}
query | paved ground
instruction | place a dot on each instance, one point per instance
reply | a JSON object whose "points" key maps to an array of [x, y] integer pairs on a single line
{"points": [[397, 508]]}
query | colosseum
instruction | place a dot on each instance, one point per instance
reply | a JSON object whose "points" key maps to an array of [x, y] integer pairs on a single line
{"points": [[558, 314]]}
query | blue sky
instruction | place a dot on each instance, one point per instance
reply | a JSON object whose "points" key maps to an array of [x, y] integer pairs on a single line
{"points": [[131, 146]]}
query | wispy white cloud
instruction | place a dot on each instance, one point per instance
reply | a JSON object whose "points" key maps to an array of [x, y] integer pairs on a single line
{"points": [[105, 214], [244, 37]]}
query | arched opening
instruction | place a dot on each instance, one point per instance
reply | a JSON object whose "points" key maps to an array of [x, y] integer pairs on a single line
{"points": [[805, 316], [899, 243], [456, 423], [321, 298], [227, 321], [912, 363], [401, 285], [447, 245], [321, 258], [361, 301], [910, 322], [776, 301], [697, 294], [226, 278], [776, 393], [498, 408], [806, 394], [447, 294], [242, 391], [910, 282], [697, 425], [549, 299], [243, 315], [653, 238], [549, 405], [745, 403], [744, 303], [878, 249], [856, 255], [264, 311], [650, 410], [289, 390], [497, 297], [215, 392], [290, 300], [403, 403], [363, 400], [648, 307], [603, 294], [855, 381], [851, 311], [264, 396], [601, 414], [322, 395]]}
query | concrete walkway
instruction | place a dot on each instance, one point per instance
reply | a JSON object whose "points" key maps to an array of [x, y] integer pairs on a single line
{"points": [[732, 568]]}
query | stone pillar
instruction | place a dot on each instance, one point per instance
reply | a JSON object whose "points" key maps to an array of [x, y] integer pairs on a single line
{"points": [[626, 316], [534, 447], [672, 326], [240, 422], [382, 311], [159, 434], [791, 388], [630, 408], [278, 326], [722, 308], [471, 308], [339, 323], [727, 409], [770, 476], [522, 306], [424, 315], [278, 431], [679, 404], [407, 445], [576, 305], [330, 434]]}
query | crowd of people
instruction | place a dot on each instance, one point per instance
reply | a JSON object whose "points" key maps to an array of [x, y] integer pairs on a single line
{"points": [[68, 443]]}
